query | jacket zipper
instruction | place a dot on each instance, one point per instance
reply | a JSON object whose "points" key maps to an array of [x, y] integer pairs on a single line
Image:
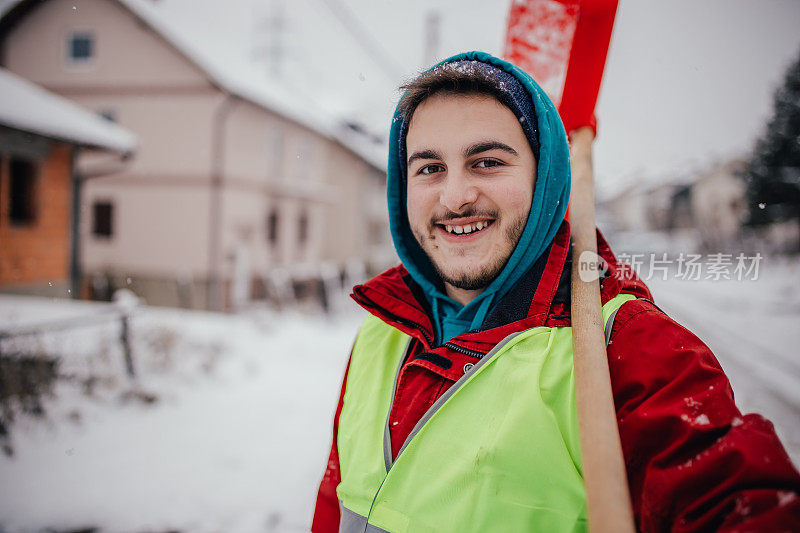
{"points": [[465, 351]]}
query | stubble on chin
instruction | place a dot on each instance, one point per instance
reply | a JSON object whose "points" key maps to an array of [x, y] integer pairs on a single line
{"points": [[472, 280]]}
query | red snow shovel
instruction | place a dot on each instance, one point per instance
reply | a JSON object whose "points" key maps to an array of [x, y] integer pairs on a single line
{"points": [[563, 45]]}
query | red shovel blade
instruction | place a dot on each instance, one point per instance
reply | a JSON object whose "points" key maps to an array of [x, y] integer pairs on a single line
{"points": [[563, 44], [539, 40]]}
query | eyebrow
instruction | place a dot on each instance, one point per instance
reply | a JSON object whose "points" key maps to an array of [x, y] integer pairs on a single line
{"points": [[477, 148], [485, 146], [423, 154]]}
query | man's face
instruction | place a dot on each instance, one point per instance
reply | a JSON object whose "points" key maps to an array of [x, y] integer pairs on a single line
{"points": [[470, 181]]}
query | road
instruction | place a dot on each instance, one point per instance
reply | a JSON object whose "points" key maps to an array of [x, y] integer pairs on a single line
{"points": [[753, 328]]}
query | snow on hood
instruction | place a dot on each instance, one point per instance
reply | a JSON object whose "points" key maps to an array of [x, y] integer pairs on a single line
{"points": [[548, 207]]}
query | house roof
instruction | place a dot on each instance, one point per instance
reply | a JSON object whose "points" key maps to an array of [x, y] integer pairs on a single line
{"points": [[27, 107], [270, 96]]}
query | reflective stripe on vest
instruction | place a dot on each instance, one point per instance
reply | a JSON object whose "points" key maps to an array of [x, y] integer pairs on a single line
{"points": [[499, 451]]}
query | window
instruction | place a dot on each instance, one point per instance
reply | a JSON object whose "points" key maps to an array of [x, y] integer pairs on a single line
{"points": [[22, 191], [272, 227], [302, 227], [80, 47], [103, 219]]}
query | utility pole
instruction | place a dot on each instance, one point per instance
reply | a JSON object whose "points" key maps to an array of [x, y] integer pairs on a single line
{"points": [[433, 21], [274, 50], [362, 35]]}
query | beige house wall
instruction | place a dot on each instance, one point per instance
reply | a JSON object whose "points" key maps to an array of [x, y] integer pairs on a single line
{"points": [[261, 144], [174, 130], [190, 132], [247, 150], [37, 50], [165, 186], [719, 207], [380, 253], [347, 236], [361, 228], [159, 229], [628, 210], [272, 163]]}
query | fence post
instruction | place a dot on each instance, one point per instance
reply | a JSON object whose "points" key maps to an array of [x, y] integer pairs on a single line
{"points": [[126, 345]]}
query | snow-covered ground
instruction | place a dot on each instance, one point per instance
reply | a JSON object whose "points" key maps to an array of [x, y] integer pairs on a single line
{"points": [[236, 439], [753, 328], [228, 422]]}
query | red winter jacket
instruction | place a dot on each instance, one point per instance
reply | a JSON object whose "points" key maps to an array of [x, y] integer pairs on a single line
{"points": [[694, 463]]}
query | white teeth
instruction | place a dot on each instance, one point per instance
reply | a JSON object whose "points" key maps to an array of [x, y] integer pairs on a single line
{"points": [[466, 229]]}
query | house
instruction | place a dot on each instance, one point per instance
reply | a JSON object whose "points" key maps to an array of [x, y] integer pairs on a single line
{"points": [[719, 205], [706, 209], [624, 211], [41, 135], [233, 181]]}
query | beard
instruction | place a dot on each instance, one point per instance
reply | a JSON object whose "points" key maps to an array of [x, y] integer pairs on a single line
{"points": [[483, 276]]}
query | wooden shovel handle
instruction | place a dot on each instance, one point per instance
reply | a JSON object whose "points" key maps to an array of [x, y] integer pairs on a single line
{"points": [[607, 497]]}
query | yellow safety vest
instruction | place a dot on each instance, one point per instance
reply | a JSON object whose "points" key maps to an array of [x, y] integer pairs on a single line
{"points": [[499, 451]]}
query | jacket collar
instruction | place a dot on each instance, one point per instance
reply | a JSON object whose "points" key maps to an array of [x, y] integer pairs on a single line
{"points": [[395, 298]]}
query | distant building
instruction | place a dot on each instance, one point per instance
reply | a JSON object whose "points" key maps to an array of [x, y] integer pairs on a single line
{"points": [[41, 135], [719, 205], [668, 206], [231, 184], [661, 206], [625, 211], [710, 205]]}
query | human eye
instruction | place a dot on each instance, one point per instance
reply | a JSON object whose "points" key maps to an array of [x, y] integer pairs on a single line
{"points": [[430, 169], [488, 163]]}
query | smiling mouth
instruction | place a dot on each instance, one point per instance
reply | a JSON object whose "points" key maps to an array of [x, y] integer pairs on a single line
{"points": [[466, 229]]}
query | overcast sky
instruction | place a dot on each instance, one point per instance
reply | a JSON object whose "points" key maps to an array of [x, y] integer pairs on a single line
{"points": [[686, 82]]}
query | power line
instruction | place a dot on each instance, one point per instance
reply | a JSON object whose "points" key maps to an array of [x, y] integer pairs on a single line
{"points": [[365, 40], [275, 49]]}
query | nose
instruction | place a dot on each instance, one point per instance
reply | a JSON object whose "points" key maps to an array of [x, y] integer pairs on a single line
{"points": [[457, 191]]}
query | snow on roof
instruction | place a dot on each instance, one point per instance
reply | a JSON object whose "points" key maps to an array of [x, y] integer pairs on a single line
{"points": [[28, 107], [374, 153], [243, 83], [226, 78], [260, 92]]}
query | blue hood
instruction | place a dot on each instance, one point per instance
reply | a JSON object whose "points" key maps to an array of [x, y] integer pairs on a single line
{"points": [[548, 206]]}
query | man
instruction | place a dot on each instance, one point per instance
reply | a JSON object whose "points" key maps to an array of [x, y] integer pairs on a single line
{"points": [[458, 406]]}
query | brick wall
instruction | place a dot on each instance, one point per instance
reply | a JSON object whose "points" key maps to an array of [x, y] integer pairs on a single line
{"points": [[38, 253]]}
